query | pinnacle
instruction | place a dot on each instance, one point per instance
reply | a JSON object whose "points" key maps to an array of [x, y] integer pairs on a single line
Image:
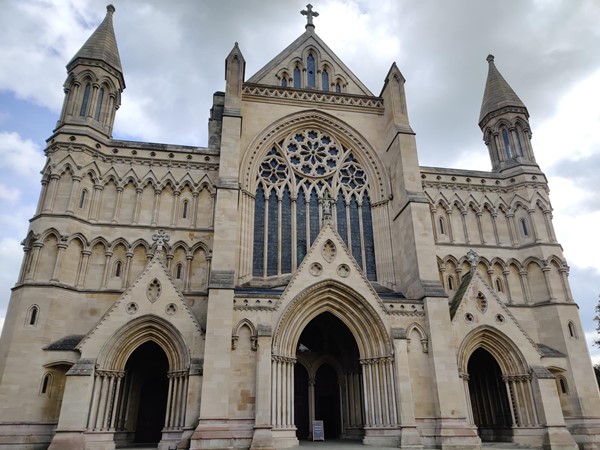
{"points": [[498, 94], [102, 44]]}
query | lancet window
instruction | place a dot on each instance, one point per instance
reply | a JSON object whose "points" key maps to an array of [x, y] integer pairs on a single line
{"points": [[296, 177]]}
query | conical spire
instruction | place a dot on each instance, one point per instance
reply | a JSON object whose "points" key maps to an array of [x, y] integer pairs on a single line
{"points": [[101, 45], [498, 94]]}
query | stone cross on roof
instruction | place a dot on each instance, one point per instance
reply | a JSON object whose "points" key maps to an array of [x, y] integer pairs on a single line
{"points": [[161, 238], [309, 13]]}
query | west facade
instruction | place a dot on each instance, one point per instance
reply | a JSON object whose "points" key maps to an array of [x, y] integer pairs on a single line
{"points": [[303, 266]]}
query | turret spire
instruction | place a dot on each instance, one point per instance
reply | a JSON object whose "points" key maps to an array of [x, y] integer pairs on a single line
{"points": [[498, 94], [101, 45], [504, 120], [94, 82]]}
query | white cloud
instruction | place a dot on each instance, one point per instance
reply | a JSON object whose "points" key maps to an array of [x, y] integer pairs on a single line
{"points": [[21, 156], [590, 337]]}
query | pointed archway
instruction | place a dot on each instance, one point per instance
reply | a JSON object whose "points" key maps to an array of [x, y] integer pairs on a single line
{"points": [[324, 388], [498, 385], [147, 391], [364, 350], [489, 397]]}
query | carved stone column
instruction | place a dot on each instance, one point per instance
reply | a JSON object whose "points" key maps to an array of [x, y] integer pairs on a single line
{"points": [[263, 436]]}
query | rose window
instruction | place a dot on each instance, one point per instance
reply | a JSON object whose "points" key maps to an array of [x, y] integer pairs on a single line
{"points": [[352, 175], [312, 153], [273, 170]]}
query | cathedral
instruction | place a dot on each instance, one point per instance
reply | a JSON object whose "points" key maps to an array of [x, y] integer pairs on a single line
{"points": [[300, 277]]}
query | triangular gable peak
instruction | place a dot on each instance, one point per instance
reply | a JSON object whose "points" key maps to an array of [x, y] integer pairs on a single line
{"points": [[329, 261], [477, 305], [294, 61], [152, 294]]}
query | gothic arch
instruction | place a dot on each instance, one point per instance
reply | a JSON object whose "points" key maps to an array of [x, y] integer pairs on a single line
{"points": [[507, 354], [349, 137], [129, 337], [344, 303]]}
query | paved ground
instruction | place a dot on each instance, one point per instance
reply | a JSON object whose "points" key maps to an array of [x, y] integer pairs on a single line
{"points": [[355, 445]]}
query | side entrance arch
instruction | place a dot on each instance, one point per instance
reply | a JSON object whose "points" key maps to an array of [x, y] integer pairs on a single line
{"points": [[498, 386], [141, 383]]}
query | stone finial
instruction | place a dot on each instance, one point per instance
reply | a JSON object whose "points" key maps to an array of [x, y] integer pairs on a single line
{"points": [[473, 259], [161, 238], [110, 8], [490, 58], [309, 13]]}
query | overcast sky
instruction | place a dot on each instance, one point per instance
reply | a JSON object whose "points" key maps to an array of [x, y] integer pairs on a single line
{"points": [[173, 60]]}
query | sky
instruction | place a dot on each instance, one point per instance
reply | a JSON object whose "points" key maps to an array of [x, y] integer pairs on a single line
{"points": [[173, 57]]}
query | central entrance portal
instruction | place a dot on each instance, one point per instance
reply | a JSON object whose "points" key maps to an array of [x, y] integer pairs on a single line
{"points": [[327, 380], [147, 373]]}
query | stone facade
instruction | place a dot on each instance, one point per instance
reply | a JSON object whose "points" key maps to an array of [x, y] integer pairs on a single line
{"points": [[301, 267]]}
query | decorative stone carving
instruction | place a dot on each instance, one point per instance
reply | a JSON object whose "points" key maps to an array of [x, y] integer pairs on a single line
{"points": [[131, 308], [161, 238], [171, 309], [329, 250], [153, 290], [482, 303], [343, 270], [316, 269]]}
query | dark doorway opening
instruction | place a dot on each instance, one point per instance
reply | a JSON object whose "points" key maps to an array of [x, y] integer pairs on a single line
{"points": [[301, 401], [327, 361], [489, 398], [147, 368], [327, 400]]}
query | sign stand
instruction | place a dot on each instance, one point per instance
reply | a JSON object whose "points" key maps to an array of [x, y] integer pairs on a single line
{"points": [[318, 431]]}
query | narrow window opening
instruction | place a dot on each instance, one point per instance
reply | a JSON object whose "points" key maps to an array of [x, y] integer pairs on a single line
{"points": [[499, 287], [442, 225], [519, 145], [572, 331], [179, 271], [99, 105], [310, 63], [524, 227], [297, 81], [338, 87], [82, 198], [33, 315], [86, 99], [325, 80], [284, 82], [563, 386], [45, 384], [507, 147], [118, 268], [184, 213], [450, 283]]}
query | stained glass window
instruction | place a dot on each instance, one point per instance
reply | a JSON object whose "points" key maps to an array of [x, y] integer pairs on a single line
{"points": [[86, 99], [297, 80], [310, 64], [99, 104], [293, 176], [325, 80]]}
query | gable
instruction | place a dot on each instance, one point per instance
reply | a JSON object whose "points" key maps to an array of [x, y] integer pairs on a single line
{"points": [[152, 295], [295, 59]]}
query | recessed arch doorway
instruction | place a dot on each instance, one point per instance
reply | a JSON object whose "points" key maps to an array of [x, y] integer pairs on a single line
{"points": [[350, 336], [489, 397], [327, 380], [146, 373]]}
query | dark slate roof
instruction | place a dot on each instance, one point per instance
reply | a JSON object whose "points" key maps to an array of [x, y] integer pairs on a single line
{"points": [[66, 343], [102, 44], [549, 351], [498, 94], [460, 294]]}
